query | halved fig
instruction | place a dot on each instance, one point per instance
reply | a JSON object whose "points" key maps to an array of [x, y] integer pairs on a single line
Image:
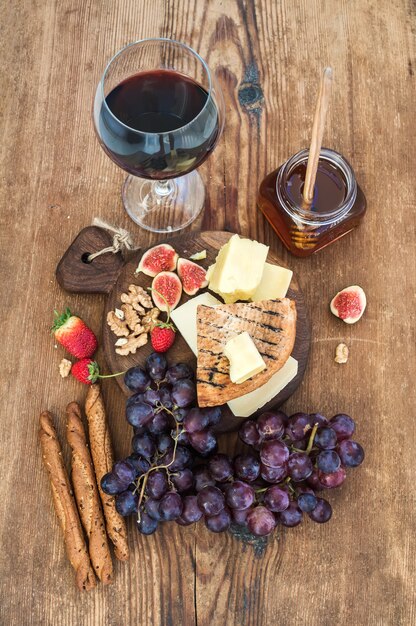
{"points": [[193, 276], [166, 290], [161, 258], [349, 304]]}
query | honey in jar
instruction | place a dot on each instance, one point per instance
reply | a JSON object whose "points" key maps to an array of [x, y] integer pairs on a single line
{"points": [[337, 207]]}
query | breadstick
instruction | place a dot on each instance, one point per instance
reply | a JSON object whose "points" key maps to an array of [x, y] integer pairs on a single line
{"points": [[64, 502], [102, 455], [86, 495]]}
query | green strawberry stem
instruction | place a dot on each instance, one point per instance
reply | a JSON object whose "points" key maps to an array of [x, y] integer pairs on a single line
{"points": [[163, 324], [94, 372], [60, 319]]}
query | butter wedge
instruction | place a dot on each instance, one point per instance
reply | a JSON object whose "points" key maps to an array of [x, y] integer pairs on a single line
{"points": [[238, 269], [245, 360]]}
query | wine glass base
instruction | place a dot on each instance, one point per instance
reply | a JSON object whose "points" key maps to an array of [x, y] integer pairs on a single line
{"points": [[164, 206]]}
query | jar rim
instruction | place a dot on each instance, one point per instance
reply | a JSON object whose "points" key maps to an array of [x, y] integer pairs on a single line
{"points": [[299, 213]]}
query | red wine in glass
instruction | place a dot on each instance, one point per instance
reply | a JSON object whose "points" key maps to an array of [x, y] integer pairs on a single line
{"points": [[158, 124]]}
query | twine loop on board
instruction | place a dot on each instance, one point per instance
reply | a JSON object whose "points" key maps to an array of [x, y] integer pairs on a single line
{"points": [[121, 239]]}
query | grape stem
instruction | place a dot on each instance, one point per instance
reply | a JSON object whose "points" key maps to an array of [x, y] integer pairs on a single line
{"points": [[311, 438], [155, 467]]}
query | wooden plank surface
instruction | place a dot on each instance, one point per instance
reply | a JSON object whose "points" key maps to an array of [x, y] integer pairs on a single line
{"points": [[359, 568]]}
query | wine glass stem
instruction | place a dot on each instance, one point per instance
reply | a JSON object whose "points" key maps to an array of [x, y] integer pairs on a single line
{"points": [[163, 187]]}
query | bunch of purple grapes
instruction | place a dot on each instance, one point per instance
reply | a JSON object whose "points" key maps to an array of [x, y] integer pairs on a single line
{"points": [[175, 472], [156, 482], [292, 459]]}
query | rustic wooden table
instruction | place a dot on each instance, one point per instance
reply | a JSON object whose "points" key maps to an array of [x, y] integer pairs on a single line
{"points": [[359, 568]]}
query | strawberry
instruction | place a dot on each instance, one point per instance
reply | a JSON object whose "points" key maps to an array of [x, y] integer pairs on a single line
{"points": [[162, 337], [86, 371], [74, 335], [163, 333]]}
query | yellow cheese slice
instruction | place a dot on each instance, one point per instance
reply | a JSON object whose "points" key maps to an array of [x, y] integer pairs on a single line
{"points": [[249, 403], [238, 269], [184, 318], [274, 283], [245, 360]]}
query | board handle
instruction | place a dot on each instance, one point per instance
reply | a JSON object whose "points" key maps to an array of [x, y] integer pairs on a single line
{"points": [[76, 274]]}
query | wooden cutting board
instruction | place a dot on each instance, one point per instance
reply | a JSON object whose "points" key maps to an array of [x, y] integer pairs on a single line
{"points": [[110, 274]]}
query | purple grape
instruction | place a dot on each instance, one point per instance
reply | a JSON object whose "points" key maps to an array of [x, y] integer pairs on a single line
{"points": [[240, 517], [183, 480], [273, 474], [261, 521], [164, 443], [140, 464], [161, 423], [317, 418], [314, 482], [125, 472], [239, 495], [249, 434], [220, 522], [152, 396], [325, 438], [298, 426], [271, 425], [152, 508], [211, 500], [307, 502], [111, 484], [136, 379], [139, 414], [170, 506], [335, 479], [139, 430], [302, 444], [214, 414], [191, 512], [220, 467], [299, 466], [195, 421], [165, 398], [177, 372], [146, 524], [144, 445], [135, 399], [156, 366], [343, 425], [126, 503], [202, 478], [203, 442], [183, 458], [182, 437], [328, 461], [292, 516], [322, 511], [157, 484], [351, 453], [276, 499], [179, 415], [183, 393], [274, 453], [247, 467]]}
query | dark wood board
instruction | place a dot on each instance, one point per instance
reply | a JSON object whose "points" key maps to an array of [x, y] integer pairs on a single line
{"points": [[107, 274]]}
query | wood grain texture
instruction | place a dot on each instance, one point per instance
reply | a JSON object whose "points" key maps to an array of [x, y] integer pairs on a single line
{"points": [[359, 568]]}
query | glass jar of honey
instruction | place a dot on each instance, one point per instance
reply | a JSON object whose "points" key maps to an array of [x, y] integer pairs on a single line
{"points": [[337, 207]]}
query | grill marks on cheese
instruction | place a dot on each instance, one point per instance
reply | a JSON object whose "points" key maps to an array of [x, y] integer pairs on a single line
{"points": [[270, 323]]}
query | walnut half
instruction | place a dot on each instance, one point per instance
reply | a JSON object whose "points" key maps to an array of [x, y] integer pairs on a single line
{"points": [[341, 353]]}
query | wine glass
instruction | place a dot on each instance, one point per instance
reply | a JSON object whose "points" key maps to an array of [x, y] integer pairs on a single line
{"points": [[159, 113]]}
